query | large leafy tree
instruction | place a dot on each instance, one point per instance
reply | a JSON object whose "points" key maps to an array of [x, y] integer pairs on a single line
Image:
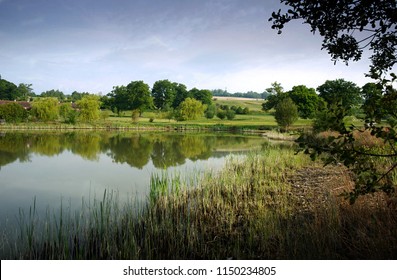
{"points": [[347, 27], [8, 90], [139, 96], [275, 95], [25, 91], [89, 108], [286, 113], [306, 99], [163, 93], [118, 100], [45, 109], [191, 109], [342, 92], [181, 93], [203, 95]]}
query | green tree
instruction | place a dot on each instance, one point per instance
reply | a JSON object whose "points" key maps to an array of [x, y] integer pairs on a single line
{"points": [[25, 92], [342, 92], [54, 93], [306, 99], [89, 107], [67, 113], [181, 93], [221, 114], [378, 106], [139, 96], [286, 113], [203, 95], [13, 112], [347, 28], [230, 114], [191, 109], [210, 112], [45, 109], [8, 90], [163, 93], [75, 96], [118, 100], [275, 95]]}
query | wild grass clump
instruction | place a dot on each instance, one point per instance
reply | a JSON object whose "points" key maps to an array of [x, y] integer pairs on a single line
{"points": [[263, 206]]}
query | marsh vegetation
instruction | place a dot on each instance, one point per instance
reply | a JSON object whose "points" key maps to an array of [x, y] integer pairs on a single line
{"points": [[272, 204]]}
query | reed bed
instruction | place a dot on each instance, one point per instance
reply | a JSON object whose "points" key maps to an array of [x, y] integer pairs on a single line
{"points": [[249, 210]]}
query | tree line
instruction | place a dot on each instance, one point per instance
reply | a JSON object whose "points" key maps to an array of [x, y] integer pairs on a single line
{"points": [[172, 99], [319, 104]]}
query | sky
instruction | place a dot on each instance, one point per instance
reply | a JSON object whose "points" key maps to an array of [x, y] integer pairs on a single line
{"points": [[93, 45]]}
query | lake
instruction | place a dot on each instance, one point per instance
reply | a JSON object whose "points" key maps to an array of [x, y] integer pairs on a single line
{"points": [[51, 168]]}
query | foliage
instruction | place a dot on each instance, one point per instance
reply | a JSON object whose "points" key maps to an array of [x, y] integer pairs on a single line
{"points": [[286, 113], [45, 109], [139, 96], [25, 91], [203, 95], [89, 108], [221, 114], [210, 112], [342, 92], [54, 93], [191, 109], [8, 90], [348, 27], [75, 96], [135, 116], [67, 113], [329, 118], [13, 112], [163, 93], [276, 94], [118, 100], [306, 99], [181, 93], [230, 114]]}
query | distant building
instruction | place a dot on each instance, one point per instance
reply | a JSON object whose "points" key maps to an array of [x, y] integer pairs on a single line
{"points": [[25, 104]]}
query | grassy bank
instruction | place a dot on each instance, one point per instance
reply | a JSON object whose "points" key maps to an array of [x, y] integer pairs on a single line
{"points": [[262, 207]]}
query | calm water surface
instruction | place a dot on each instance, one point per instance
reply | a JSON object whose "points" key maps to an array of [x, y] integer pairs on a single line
{"points": [[66, 167]]}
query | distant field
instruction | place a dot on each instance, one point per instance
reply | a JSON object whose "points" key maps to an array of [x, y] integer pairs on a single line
{"points": [[252, 104]]}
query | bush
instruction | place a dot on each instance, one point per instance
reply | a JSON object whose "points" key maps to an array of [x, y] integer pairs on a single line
{"points": [[230, 114], [13, 112], [221, 114], [210, 112], [135, 116]]}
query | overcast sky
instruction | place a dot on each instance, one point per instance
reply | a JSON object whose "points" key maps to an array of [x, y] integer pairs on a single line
{"points": [[93, 45]]}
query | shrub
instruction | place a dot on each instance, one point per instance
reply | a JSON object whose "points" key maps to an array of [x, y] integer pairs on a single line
{"points": [[230, 114], [13, 112], [221, 114]]}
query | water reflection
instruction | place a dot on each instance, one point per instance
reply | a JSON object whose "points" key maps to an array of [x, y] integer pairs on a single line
{"points": [[136, 149], [52, 166]]}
